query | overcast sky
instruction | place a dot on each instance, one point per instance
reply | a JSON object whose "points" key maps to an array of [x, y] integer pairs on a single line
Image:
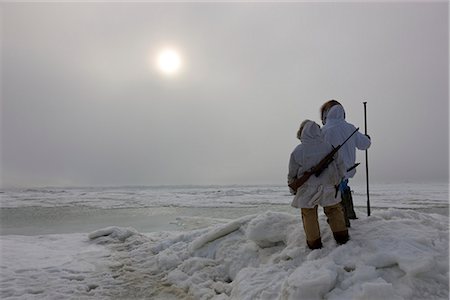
{"points": [[82, 102]]}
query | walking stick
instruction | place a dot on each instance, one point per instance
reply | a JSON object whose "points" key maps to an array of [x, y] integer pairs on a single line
{"points": [[367, 161]]}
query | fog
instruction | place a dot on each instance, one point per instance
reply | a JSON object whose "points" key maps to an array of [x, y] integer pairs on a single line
{"points": [[82, 102]]}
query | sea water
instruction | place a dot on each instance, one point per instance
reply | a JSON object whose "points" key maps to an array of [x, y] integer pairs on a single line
{"points": [[159, 208]]}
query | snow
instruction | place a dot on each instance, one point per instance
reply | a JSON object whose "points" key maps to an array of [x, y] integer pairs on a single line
{"points": [[50, 266], [393, 254]]}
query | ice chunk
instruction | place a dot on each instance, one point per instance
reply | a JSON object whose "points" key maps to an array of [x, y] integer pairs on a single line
{"points": [[310, 281], [114, 232], [376, 290], [218, 232], [415, 266], [270, 228]]}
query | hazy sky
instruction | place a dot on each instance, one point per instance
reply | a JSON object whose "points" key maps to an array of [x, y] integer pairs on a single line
{"points": [[82, 102]]}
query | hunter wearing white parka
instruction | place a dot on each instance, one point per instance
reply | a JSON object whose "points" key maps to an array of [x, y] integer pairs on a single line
{"points": [[317, 190], [320, 190], [336, 130]]}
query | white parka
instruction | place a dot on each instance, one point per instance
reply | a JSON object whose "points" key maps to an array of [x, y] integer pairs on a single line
{"points": [[317, 190], [336, 130]]}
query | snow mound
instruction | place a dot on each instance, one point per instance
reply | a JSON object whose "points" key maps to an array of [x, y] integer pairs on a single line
{"points": [[391, 255], [113, 232]]}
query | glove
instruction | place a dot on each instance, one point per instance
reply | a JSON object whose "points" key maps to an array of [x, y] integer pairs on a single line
{"points": [[343, 185], [291, 190]]}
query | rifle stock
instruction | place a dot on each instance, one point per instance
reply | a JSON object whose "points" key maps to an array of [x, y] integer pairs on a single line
{"points": [[300, 181], [319, 168]]}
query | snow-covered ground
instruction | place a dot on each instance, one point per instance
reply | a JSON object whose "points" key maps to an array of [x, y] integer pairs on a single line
{"points": [[396, 253]]}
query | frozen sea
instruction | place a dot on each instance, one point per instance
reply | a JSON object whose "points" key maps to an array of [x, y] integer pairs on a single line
{"points": [[219, 242]]}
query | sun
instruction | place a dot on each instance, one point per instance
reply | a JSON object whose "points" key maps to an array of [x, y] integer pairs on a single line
{"points": [[169, 61]]}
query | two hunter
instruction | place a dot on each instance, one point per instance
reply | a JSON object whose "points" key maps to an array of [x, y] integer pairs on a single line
{"points": [[319, 169]]}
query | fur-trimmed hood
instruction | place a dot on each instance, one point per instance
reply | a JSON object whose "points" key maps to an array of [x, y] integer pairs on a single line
{"points": [[311, 132]]}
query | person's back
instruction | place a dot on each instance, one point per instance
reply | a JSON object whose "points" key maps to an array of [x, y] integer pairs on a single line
{"points": [[336, 130], [306, 155], [311, 150]]}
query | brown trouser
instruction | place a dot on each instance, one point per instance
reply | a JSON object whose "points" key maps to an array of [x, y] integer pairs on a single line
{"points": [[336, 221]]}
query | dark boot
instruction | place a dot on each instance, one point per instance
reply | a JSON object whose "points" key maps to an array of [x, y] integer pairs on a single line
{"points": [[341, 237], [316, 244]]}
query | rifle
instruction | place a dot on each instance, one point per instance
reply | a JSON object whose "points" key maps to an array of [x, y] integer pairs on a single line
{"points": [[320, 167]]}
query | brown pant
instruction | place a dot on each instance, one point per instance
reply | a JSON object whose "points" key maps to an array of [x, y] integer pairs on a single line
{"points": [[335, 217]]}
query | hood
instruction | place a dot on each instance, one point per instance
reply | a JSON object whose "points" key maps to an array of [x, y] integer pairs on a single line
{"points": [[311, 131], [336, 112]]}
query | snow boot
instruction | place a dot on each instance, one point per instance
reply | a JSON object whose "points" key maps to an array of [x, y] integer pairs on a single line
{"points": [[341, 237], [316, 244]]}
